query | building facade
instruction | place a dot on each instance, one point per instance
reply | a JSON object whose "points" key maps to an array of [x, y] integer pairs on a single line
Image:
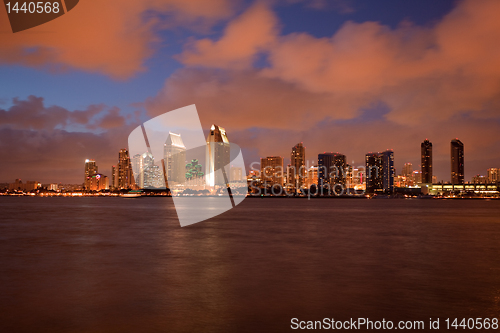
{"points": [[217, 156], [332, 169], [297, 172], [493, 175], [174, 157], [271, 170], [457, 162], [426, 161], [90, 170], [380, 172], [125, 174]]}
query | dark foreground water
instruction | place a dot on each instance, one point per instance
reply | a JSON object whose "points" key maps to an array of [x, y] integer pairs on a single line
{"points": [[125, 265]]}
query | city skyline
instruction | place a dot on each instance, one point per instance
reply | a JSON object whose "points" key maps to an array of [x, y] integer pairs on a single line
{"points": [[122, 177], [358, 77]]}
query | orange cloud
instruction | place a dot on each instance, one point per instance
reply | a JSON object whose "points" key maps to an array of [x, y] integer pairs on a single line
{"points": [[113, 37], [450, 68], [254, 31]]}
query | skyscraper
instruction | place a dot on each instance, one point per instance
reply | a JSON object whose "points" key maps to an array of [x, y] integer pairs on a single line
{"points": [[218, 156], [90, 170], [457, 162], [332, 169], [388, 166], [380, 172], [114, 177], [271, 170], [142, 165], [407, 170], [297, 172], [493, 175], [174, 154], [426, 159], [125, 175]]}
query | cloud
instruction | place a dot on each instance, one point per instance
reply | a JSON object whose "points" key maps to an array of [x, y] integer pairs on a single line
{"points": [[113, 37], [32, 114], [51, 143], [244, 37], [439, 71]]}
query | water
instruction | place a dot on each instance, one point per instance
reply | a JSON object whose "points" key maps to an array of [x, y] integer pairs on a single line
{"points": [[125, 265]]}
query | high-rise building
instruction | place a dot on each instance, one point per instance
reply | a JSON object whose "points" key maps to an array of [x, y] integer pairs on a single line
{"points": [[332, 169], [493, 175], [388, 179], [312, 176], [114, 177], [297, 173], [407, 170], [457, 162], [174, 154], [144, 171], [125, 175], [271, 170], [380, 172], [426, 161], [218, 156], [90, 170]]}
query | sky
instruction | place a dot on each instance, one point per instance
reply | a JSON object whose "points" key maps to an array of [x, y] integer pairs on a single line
{"points": [[348, 76]]}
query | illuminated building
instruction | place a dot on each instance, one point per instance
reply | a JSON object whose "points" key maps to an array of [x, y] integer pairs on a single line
{"points": [[146, 173], [312, 176], [90, 170], [98, 182], [457, 162], [271, 170], [493, 175], [355, 178], [297, 172], [174, 154], [426, 162], [26, 187], [417, 177], [218, 156], [380, 172], [114, 177], [235, 174], [407, 170], [331, 169], [125, 175]]}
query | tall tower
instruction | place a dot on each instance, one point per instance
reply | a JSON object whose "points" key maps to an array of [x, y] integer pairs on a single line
{"points": [[125, 175], [114, 177], [457, 162], [380, 172], [218, 156], [388, 175], [332, 169], [426, 158], [374, 175], [271, 170], [297, 164], [174, 154], [90, 170]]}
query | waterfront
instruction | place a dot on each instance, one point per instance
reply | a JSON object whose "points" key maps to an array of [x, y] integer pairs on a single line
{"points": [[125, 265]]}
